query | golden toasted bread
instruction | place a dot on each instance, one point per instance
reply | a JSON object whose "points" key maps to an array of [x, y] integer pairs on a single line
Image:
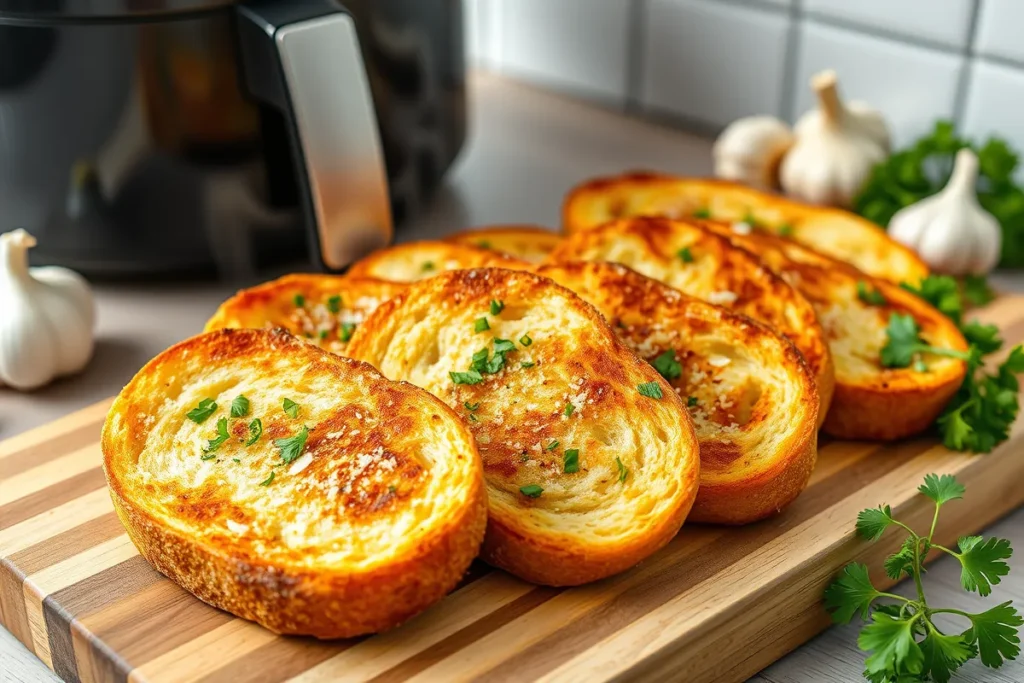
{"points": [[322, 309], [751, 396], [870, 402], [704, 264], [525, 242], [834, 232], [343, 514], [585, 475], [419, 260]]}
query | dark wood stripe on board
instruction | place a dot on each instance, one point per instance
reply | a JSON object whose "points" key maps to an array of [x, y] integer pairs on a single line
{"points": [[67, 544], [50, 497], [59, 446]]}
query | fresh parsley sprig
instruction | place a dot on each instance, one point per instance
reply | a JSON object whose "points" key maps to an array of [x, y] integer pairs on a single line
{"points": [[904, 643]]}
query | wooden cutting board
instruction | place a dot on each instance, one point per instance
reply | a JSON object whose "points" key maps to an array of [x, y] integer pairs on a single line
{"points": [[715, 605]]}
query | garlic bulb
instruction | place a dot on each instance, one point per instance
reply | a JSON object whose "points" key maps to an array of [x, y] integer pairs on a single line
{"points": [[950, 230], [46, 326], [836, 147], [750, 149]]}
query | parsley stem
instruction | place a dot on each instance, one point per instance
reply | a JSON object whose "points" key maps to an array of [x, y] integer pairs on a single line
{"points": [[905, 527], [893, 596], [945, 549], [938, 351], [948, 610], [935, 520], [917, 572]]}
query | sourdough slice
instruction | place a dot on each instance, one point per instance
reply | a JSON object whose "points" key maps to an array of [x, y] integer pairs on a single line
{"points": [[750, 395], [420, 260], [837, 233], [546, 387], [321, 309], [375, 517], [706, 265], [529, 243], [870, 401]]}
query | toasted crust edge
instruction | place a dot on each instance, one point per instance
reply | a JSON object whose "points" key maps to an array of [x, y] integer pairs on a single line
{"points": [[291, 601]]}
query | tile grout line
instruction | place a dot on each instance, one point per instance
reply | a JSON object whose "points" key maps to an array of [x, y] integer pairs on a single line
{"points": [[790, 61], [963, 85], [637, 39]]}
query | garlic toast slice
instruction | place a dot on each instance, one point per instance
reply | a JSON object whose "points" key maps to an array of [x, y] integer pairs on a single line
{"points": [[529, 243], [749, 392], [336, 503], [321, 309], [870, 401], [585, 475], [706, 265], [834, 232], [419, 260]]}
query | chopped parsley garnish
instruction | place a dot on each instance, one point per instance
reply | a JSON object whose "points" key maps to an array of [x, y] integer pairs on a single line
{"points": [[526, 364], [503, 345], [667, 365], [702, 213], [531, 490], [205, 409], [299, 300], [470, 377], [392, 488], [552, 446], [571, 460], [240, 406], [235, 460], [483, 244], [903, 343], [268, 480], [292, 447], [291, 408], [569, 409], [525, 340], [471, 406], [481, 325], [323, 334], [650, 389], [685, 255], [345, 331], [222, 436], [473, 418], [872, 297], [977, 290], [623, 470], [691, 401], [211, 456], [334, 303], [255, 432], [785, 230], [427, 265], [497, 306]]}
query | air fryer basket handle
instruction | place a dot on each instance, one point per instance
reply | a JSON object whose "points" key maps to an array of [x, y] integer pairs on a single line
{"points": [[303, 57]]}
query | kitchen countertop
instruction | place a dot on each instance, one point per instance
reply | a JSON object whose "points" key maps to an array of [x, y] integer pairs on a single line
{"points": [[525, 149]]}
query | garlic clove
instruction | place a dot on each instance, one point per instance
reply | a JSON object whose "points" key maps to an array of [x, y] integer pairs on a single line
{"points": [[749, 150]]}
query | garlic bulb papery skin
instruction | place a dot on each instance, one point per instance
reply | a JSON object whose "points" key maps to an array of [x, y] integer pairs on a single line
{"points": [[750, 149], [835, 149], [949, 230], [46, 318]]}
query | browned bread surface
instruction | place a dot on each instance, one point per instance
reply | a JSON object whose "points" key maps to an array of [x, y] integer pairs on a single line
{"points": [[321, 309], [376, 517], [706, 265], [837, 233], [526, 242], [565, 384], [419, 260], [754, 403]]}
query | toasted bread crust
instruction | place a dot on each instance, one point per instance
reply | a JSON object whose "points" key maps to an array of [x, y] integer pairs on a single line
{"points": [[265, 552], [583, 525], [843, 235], [719, 272], [331, 306], [755, 400], [529, 243], [870, 402], [414, 261]]}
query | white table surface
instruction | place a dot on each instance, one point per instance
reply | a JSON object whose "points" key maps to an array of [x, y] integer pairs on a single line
{"points": [[525, 149]]}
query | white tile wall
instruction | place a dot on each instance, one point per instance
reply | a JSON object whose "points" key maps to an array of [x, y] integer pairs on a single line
{"points": [[944, 21], [712, 62], [912, 85]]}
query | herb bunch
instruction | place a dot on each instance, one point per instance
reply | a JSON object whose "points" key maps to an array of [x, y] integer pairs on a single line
{"points": [[909, 175], [904, 642], [980, 414]]}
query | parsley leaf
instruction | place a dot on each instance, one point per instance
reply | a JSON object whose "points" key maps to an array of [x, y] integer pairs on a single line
{"points": [[291, 408], [892, 644], [503, 345], [222, 436], [299, 301], [985, 337], [471, 406], [785, 230], [702, 213], [255, 432], [571, 460], [268, 480], [527, 364], [205, 409], [345, 331], [240, 406], [980, 415], [691, 401], [941, 489], [650, 389], [481, 325], [685, 255], [497, 306], [667, 365], [903, 342], [944, 654], [901, 562], [873, 522], [995, 634], [525, 340], [427, 266], [852, 593], [531, 490], [569, 409], [983, 562], [334, 303], [552, 446], [291, 448], [872, 297], [977, 290], [470, 377], [623, 470], [942, 292]]}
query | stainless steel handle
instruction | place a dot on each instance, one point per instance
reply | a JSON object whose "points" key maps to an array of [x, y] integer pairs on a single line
{"points": [[303, 57]]}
